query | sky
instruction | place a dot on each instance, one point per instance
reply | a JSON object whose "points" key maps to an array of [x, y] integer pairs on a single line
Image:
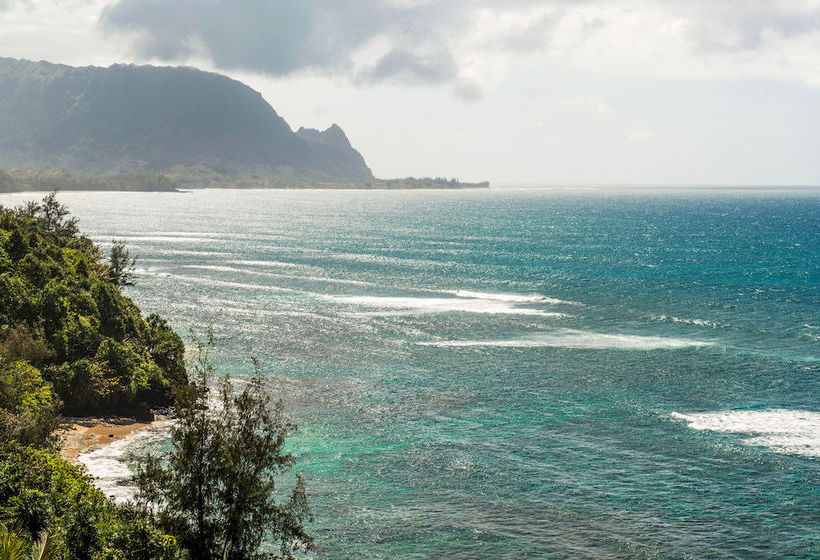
{"points": [[560, 92]]}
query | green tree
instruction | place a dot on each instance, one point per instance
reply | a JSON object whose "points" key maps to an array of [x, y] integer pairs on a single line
{"points": [[217, 490], [15, 546], [28, 405], [52, 215], [120, 264]]}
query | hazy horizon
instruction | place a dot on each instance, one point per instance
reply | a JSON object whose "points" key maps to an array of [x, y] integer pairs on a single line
{"points": [[530, 92]]}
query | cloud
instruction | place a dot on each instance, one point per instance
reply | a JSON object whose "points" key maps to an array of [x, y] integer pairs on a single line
{"points": [[412, 67], [468, 90], [465, 43], [280, 37]]}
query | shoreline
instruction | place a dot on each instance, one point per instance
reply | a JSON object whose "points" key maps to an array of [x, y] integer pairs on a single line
{"points": [[88, 433]]}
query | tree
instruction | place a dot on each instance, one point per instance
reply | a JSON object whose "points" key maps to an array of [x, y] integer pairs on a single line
{"points": [[15, 546], [217, 489], [52, 215], [120, 264]]}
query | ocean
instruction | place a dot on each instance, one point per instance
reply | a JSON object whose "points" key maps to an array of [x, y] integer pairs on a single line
{"points": [[509, 373]]}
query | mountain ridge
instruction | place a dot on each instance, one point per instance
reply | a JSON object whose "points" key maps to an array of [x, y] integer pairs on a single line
{"points": [[128, 118]]}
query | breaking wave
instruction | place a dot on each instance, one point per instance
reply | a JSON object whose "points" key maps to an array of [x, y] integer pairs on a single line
{"points": [[570, 338], [795, 432], [442, 305], [512, 298]]}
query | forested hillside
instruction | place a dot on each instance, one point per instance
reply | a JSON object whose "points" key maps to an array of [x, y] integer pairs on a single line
{"points": [[70, 341]]}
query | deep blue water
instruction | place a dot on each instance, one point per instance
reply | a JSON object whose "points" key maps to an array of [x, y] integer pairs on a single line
{"points": [[515, 373]]}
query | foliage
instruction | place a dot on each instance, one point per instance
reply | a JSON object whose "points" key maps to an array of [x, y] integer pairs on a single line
{"points": [[15, 546], [51, 216], [42, 493], [61, 310], [120, 265], [28, 405], [71, 341], [49, 178], [217, 488]]}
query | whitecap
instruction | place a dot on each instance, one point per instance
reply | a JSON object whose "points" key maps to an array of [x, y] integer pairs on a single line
{"points": [[698, 322], [512, 298], [240, 285], [794, 432], [274, 264], [440, 305], [570, 338], [105, 240], [214, 268], [219, 268]]}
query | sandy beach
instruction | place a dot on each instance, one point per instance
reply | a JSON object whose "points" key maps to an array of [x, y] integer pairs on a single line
{"points": [[89, 433]]}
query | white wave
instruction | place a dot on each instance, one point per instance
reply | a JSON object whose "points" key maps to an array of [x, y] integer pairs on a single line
{"points": [[570, 338], [240, 285], [275, 264], [103, 240], [383, 259], [218, 268], [782, 430], [186, 252], [512, 298], [185, 233], [441, 305], [108, 465], [215, 268], [698, 322]]}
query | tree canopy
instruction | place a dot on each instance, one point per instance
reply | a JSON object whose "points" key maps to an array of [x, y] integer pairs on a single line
{"points": [[62, 313], [217, 487]]}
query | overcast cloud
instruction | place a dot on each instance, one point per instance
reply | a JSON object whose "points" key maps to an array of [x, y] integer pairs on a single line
{"points": [[555, 91], [435, 42]]}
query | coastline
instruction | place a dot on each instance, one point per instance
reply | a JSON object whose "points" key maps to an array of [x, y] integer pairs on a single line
{"points": [[86, 434]]}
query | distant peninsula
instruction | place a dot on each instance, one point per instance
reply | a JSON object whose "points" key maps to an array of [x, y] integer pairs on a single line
{"points": [[136, 128]]}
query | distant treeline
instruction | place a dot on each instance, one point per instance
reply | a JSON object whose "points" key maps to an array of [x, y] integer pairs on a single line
{"points": [[193, 177], [18, 179], [48, 179], [430, 183]]}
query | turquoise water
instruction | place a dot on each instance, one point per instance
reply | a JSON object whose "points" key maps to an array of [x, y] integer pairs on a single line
{"points": [[516, 373]]}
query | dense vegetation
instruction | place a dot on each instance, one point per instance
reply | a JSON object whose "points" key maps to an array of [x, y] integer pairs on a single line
{"points": [[71, 341], [42, 494], [49, 179], [64, 322]]}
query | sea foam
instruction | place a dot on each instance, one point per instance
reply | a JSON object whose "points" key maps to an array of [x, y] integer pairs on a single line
{"points": [[512, 298], [794, 432], [570, 338], [108, 465], [396, 305]]}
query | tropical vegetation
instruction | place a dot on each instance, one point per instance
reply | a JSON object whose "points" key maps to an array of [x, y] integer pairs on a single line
{"points": [[72, 343]]}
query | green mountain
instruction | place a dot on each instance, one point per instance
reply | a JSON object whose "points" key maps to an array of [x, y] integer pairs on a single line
{"points": [[145, 119]]}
